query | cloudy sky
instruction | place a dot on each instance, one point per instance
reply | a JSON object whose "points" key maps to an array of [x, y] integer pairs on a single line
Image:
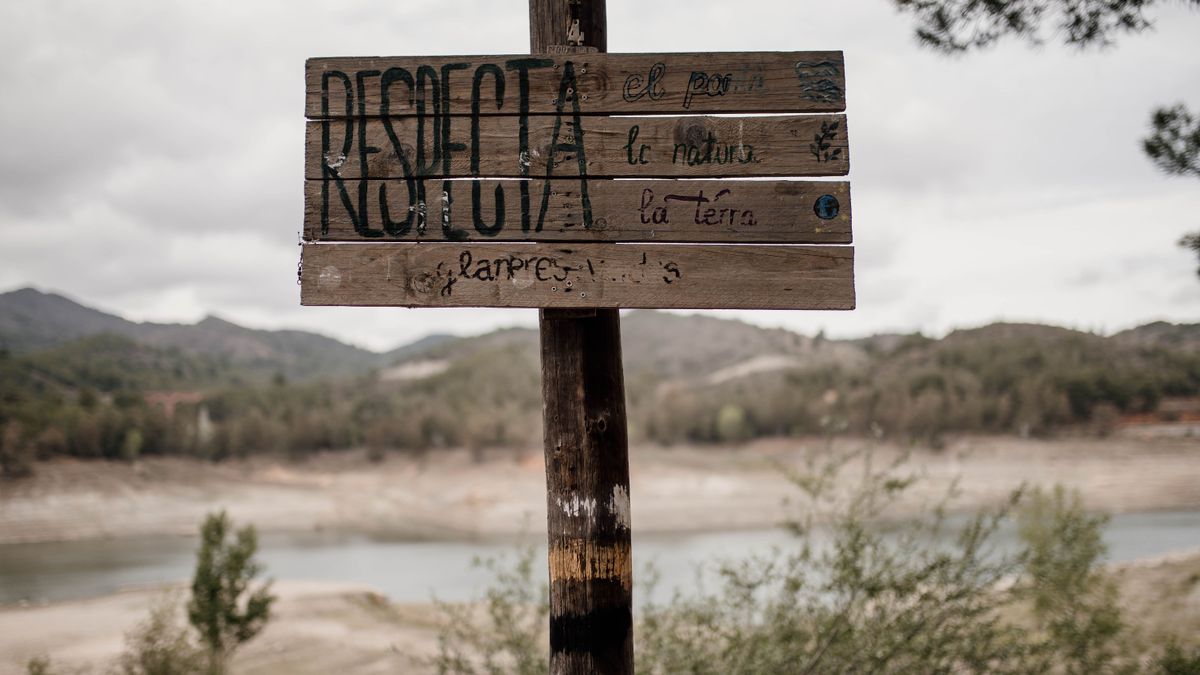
{"points": [[151, 160]]}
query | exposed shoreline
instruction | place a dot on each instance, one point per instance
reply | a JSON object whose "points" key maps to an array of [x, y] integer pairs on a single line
{"points": [[324, 627], [331, 627], [448, 495]]}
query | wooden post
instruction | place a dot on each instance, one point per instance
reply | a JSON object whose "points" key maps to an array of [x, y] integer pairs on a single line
{"points": [[586, 443], [587, 480], [543, 112]]}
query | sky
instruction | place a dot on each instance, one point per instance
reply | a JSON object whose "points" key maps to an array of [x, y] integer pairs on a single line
{"points": [[152, 159]]}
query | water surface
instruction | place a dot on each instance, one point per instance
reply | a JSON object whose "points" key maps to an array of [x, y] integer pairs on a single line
{"points": [[415, 571]]}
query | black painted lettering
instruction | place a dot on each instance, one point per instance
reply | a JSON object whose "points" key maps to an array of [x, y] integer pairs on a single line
{"points": [[448, 148], [671, 269], [476, 190], [642, 147], [650, 87], [427, 81], [364, 150], [483, 271], [633, 134], [680, 148], [396, 228], [698, 200], [523, 66], [567, 89], [330, 165], [706, 84], [712, 151]]}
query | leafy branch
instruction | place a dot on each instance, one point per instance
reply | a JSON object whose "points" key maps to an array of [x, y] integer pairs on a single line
{"points": [[821, 145]]}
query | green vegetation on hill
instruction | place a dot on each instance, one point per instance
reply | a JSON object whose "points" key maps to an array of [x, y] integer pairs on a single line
{"points": [[689, 379], [1003, 378], [88, 399]]}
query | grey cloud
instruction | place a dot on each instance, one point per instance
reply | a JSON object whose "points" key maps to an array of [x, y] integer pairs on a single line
{"points": [[152, 157]]}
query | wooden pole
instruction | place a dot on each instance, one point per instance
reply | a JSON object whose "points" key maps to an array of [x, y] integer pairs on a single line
{"points": [[586, 442]]}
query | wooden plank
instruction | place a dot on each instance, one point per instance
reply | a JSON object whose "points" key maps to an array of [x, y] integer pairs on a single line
{"points": [[584, 275], [622, 84], [624, 147], [733, 211]]}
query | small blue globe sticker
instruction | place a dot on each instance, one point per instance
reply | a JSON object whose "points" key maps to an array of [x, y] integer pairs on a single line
{"points": [[826, 207]]}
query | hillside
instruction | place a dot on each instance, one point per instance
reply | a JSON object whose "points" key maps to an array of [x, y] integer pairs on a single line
{"points": [[120, 392], [31, 320]]}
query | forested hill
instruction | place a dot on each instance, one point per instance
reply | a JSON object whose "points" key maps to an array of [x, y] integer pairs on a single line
{"points": [[80, 382]]}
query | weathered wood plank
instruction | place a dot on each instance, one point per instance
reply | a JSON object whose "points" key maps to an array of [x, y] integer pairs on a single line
{"points": [[732, 211], [583, 275], [622, 84], [633, 147]]}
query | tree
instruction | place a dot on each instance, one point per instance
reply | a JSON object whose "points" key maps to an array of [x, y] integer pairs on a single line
{"points": [[223, 608], [1074, 602], [957, 26], [1174, 146], [160, 646]]}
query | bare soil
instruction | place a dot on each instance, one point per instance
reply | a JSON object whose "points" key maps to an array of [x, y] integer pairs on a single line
{"points": [[454, 495], [322, 628]]}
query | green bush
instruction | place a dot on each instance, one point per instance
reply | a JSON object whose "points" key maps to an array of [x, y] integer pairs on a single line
{"points": [[1074, 602], [505, 632], [223, 608], [39, 665], [160, 645], [1177, 660], [732, 425], [922, 596], [852, 597]]}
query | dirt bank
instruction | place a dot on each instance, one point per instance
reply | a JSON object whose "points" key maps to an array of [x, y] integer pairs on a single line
{"points": [[449, 495], [324, 628], [318, 627]]}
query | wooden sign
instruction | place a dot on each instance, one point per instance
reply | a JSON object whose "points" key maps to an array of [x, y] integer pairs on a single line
{"points": [[598, 147], [584, 275], [605, 84], [473, 152], [804, 212]]}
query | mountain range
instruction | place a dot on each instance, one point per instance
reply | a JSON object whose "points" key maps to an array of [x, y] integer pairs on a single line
{"points": [[31, 320], [715, 351], [78, 381]]}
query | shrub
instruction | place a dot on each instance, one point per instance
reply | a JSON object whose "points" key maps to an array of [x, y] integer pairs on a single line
{"points": [[1074, 602], [861, 600], [732, 425], [1177, 660], [223, 608], [39, 665], [921, 596], [161, 646], [510, 637]]}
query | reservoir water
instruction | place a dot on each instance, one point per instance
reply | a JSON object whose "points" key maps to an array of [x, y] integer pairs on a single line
{"points": [[416, 571]]}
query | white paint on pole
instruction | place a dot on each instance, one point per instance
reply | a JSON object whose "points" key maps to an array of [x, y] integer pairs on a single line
{"points": [[618, 505], [576, 506]]}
